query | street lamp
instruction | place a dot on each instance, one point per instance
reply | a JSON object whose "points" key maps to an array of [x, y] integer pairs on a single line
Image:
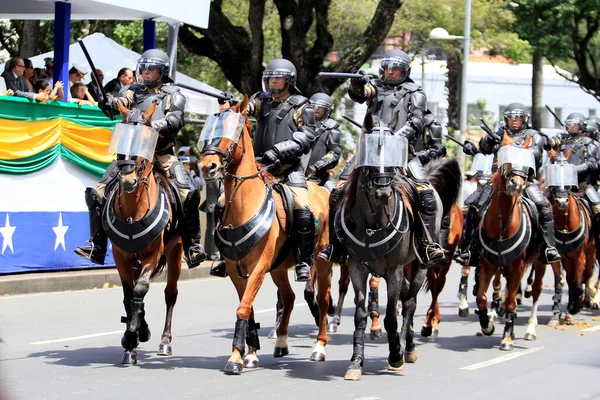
{"points": [[442, 34]]}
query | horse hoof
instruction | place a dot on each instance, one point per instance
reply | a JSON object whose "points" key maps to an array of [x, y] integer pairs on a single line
{"points": [[463, 312], [280, 352], [412, 356], [553, 323], [506, 346], [426, 331], [332, 328], [251, 361], [490, 332], [272, 334], [144, 335], [317, 356], [396, 365], [165, 350], [529, 336], [129, 357], [232, 368], [353, 374], [376, 334], [436, 332]]}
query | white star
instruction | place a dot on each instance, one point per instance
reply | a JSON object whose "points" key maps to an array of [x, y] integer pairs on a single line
{"points": [[60, 232], [7, 232]]}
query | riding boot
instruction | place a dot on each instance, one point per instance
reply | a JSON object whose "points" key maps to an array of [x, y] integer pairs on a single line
{"points": [[430, 251], [596, 232], [219, 269], [463, 253], [549, 252], [335, 251], [193, 251], [305, 243], [94, 249]]}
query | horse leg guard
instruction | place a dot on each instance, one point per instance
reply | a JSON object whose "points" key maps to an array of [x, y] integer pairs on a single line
{"points": [[335, 251], [556, 300], [484, 322], [278, 315], [395, 352], [509, 331], [312, 305], [476, 280], [305, 243], [95, 249], [239, 335], [194, 253], [373, 310]]}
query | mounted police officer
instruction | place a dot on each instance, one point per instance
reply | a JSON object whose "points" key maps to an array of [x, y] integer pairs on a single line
{"points": [[591, 127], [398, 102], [516, 125], [156, 86], [585, 155], [327, 147], [284, 133]]}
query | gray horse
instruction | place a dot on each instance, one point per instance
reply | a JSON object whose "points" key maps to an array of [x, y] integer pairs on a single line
{"points": [[375, 222]]}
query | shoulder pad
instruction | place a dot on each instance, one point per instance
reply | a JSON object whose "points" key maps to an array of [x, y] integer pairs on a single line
{"points": [[428, 118], [376, 82], [586, 140], [529, 131], [411, 87], [297, 100], [168, 88], [330, 123], [255, 95]]}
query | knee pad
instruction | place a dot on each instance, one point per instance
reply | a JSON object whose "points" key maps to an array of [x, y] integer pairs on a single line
{"points": [[91, 198], [428, 203], [181, 178]]}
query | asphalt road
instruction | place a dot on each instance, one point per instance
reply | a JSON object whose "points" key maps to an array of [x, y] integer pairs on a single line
{"points": [[67, 346]]}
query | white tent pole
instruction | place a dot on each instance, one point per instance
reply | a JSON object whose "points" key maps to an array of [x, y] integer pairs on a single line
{"points": [[172, 48]]}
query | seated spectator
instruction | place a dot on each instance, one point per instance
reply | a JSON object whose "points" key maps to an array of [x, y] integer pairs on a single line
{"points": [[29, 74], [42, 86], [81, 96], [13, 77], [124, 78], [49, 71], [94, 90]]}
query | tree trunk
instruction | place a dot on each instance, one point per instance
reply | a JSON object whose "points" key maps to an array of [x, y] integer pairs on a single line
{"points": [[453, 88], [30, 39], [537, 85]]}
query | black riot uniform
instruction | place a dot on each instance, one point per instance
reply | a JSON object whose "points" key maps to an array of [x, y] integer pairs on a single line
{"points": [[284, 133], [467, 254], [168, 121], [327, 147], [399, 103]]}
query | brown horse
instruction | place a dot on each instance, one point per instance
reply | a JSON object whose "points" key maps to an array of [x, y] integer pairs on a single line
{"points": [[246, 188], [507, 241], [576, 244], [141, 196], [436, 277]]}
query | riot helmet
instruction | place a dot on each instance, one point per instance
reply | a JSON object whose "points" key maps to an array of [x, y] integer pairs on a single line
{"points": [[321, 100], [395, 60], [279, 68], [153, 60], [516, 117], [591, 125], [574, 123]]}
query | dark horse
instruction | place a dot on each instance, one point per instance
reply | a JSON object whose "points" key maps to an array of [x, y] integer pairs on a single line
{"points": [[375, 223], [140, 222]]}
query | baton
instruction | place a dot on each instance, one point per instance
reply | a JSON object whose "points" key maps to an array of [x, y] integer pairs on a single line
{"points": [[353, 122], [95, 76], [456, 141], [225, 96], [340, 75], [555, 116]]}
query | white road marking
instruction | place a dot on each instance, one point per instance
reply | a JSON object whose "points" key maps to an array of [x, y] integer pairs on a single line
{"points": [[78, 337], [592, 329], [268, 310], [501, 359]]}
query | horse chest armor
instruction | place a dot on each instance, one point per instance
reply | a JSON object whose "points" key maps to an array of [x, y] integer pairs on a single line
{"points": [[568, 241], [367, 244], [237, 242], [134, 236], [273, 127]]}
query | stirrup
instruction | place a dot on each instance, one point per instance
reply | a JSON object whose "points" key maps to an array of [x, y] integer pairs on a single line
{"points": [[430, 250], [87, 251], [302, 272], [219, 270], [194, 256], [547, 256], [463, 257]]}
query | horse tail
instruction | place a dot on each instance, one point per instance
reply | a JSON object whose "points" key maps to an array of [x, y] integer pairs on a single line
{"points": [[446, 178], [160, 266]]}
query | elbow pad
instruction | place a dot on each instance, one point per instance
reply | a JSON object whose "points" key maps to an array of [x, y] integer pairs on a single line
{"points": [[288, 151]]}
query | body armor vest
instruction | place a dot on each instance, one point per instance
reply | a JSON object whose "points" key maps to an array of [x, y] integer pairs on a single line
{"points": [[391, 104], [579, 148], [143, 99], [276, 123], [322, 144]]}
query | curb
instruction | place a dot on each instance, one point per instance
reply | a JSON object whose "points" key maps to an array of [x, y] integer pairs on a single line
{"points": [[44, 282]]}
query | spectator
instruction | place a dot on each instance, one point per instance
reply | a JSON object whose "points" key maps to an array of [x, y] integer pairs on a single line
{"points": [[13, 77], [42, 86], [195, 173], [81, 96], [94, 90], [40, 74], [49, 71], [124, 78], [29, 74], [184, 151], [76, 74]]}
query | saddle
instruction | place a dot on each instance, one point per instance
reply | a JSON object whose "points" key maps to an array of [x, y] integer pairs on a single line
{"points": [[285, 209]]}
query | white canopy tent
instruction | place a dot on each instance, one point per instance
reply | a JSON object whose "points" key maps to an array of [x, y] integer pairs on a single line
{"points": [[110, 57]]}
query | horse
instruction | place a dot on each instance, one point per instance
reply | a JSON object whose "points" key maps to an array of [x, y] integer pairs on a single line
{"points": [[248, 190], [142, 200], [451, 234], [574, 238], [374, 223], [508, 243]]}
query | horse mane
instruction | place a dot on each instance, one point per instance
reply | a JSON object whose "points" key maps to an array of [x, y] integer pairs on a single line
{"points": [[446, 178]]}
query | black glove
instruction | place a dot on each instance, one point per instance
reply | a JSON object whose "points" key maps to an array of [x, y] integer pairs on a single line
{"points": [[363, 80], [424, 157], [269, 157], [470, 148], [310, 171], [262, 96], [407, 131], [319, 166]]}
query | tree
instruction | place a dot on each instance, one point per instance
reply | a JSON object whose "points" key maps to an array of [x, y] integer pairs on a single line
{"points": [[564, 31], [306, 39]]}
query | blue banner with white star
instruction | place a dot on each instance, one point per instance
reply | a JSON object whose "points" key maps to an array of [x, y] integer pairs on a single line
{"points": [[43, 241]]}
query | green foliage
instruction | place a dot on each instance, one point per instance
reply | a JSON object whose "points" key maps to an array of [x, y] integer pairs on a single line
{"points": [[487, 116]]}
